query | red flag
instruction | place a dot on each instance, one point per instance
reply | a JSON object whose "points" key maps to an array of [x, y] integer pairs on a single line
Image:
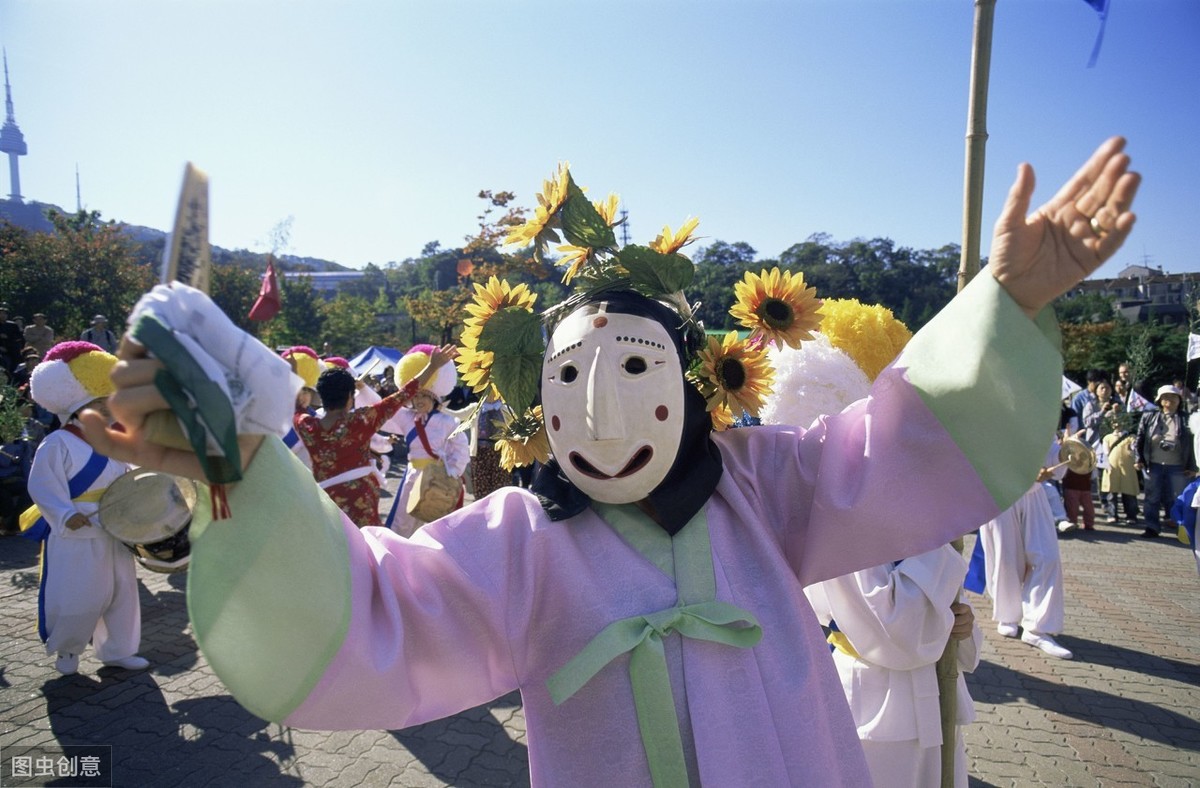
{"points": [[268, 303]]}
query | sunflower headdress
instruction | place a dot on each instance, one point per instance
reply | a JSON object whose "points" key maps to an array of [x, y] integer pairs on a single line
{"points": [[502, 345]]}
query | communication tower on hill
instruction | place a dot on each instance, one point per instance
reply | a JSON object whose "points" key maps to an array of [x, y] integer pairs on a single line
{"points": [[12, 141]]}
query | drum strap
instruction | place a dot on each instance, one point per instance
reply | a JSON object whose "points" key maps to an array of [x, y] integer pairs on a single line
{"points": [[33, 525], [420, 428]]}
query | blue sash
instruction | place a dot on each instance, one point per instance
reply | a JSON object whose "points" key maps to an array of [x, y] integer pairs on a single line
{"points": [[40, 530], [76, 486], [976, 579]]}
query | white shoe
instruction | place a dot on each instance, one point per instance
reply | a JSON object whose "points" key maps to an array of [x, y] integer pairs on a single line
{"points": [[1008, 630], [1046, 644], [67, 664], [129, 663], [1066, 525]]}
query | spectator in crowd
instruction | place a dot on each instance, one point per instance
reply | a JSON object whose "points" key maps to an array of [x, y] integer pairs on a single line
{"points": [[1084, 396], [1165, 451], [11, 340], [100, 335], [39, 336], [26, 361], [1120, 478]]}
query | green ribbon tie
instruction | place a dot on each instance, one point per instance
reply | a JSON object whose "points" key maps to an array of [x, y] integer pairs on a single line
{"points": [[642, 635]]}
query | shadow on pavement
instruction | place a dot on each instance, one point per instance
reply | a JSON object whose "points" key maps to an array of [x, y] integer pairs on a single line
{"points": [[1120, 658], [992, 683], [196, 742], [18, 553], [483, 754]]}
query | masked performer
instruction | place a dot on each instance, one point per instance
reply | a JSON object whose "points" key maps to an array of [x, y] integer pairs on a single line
{"points": [[648, 600], [89, 586]]}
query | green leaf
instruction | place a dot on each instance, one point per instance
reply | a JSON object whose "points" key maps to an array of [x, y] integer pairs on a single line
{"points": [[582, 223], [514, 336], [655, 273]]}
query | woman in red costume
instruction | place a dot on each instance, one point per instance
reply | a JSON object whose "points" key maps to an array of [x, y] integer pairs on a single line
{"points": [[340, 441]]}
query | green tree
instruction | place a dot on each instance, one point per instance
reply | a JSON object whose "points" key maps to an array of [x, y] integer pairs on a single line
{"points": [[350, 324], [301, 321], [235, 289], [85, 266], [719, 266]]}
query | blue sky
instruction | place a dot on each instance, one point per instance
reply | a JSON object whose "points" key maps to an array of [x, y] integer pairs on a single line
{"points": [[374, 124]]}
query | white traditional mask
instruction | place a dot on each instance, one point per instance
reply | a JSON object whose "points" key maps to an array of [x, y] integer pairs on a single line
{"points": [[612, 396]]}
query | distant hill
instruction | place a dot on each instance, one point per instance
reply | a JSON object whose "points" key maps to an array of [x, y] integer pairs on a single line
{"points": [[32, 216]]}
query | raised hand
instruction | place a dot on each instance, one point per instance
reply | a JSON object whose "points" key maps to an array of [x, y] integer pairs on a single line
{"points": [[1038, 257]]}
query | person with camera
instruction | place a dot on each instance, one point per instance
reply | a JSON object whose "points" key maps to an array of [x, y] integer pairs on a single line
{"points": [[1165, 454]]}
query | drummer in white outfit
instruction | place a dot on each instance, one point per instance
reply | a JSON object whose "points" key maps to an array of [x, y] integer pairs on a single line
{"points": [[454, 451], [891, 624], [1024, 572], [89, 587]]}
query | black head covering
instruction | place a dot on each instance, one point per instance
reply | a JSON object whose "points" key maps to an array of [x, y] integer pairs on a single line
{"points": [[697, 468]]}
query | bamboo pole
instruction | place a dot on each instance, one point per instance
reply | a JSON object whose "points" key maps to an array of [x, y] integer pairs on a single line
{"points": [[981, 58]]}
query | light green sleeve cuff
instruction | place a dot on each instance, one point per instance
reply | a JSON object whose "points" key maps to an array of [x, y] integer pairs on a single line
{"points": [[993, 378], [269, 588]]}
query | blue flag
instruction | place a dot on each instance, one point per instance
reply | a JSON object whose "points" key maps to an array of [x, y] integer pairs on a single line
{"points": [[1101, 7]]}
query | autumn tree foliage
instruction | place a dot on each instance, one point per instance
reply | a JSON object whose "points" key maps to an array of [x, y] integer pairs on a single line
{"points": [[440, 310], [86, 266]]}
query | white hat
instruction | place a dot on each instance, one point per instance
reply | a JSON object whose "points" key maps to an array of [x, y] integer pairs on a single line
{"points": [[1168, 389], [71, 375]]}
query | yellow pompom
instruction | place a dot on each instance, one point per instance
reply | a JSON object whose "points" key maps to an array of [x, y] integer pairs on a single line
{"points": [[871, 335], [409, 366], [92, 370], [308, 367]]}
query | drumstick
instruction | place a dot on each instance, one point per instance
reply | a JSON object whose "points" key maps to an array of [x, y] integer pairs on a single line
{"points": [[367, 371]]}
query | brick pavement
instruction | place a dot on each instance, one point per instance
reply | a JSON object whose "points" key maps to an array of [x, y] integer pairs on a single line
{"points": [[1126, 711]]}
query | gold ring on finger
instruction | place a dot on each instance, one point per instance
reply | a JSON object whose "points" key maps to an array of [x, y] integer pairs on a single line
{"points": [[1097, 228]]}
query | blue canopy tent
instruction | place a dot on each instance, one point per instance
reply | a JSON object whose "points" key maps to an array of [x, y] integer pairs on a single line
{"points": [[379, 357]]}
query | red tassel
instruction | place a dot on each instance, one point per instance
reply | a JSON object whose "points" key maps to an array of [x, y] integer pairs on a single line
{"points": [[218, 502]]}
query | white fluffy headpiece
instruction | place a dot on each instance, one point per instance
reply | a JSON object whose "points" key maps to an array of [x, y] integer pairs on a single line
{"points": [[815, 380], [71, 375]]}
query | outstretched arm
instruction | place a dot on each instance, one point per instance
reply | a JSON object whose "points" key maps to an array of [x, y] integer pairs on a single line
{"points": [[1038, 257]]}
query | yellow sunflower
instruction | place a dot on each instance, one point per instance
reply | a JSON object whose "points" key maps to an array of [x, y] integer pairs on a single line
{"points": [[475, 367], [473, 364], [740, 372], [574, 258], [496, 295], [551, 198], [722, 418], [669, 243], [777, 306], [517, 451], [607, 208]]}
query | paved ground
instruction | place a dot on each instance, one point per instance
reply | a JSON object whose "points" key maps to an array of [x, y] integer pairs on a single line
{"points": [[1126, 711]]}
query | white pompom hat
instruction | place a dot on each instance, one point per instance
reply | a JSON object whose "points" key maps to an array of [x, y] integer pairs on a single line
{"points": [[71, 375]]}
